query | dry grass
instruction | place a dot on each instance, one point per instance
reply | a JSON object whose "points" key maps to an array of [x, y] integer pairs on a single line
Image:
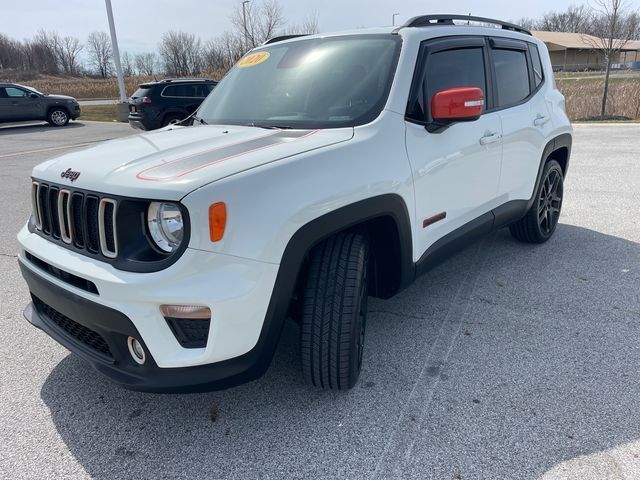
{"points": [[99, 113], [89, 88], [584, 97]]}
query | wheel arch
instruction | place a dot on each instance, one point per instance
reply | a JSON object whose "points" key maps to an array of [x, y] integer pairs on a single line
{"points": [[50, 108], [372, 215], [559, 149]]}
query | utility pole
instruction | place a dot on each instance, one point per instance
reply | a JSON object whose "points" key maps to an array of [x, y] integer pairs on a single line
{"points": [[123, 107], [244, 23], [393, 19]]}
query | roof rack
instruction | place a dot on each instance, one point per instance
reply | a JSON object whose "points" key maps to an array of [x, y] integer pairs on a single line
{"points": [[431, 20], [282, 38], [169, 80]]}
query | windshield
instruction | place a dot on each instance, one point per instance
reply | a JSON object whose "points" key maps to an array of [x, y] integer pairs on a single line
{"points": [[314, 83]]}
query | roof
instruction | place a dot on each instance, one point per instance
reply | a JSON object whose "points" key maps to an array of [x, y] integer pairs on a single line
{"points": [[565, 40]]}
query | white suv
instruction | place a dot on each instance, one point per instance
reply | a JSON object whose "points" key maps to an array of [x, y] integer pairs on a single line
{"points": [[321, 170]]}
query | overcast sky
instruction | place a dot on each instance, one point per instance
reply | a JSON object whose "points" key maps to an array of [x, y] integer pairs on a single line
{"points": [[140, 24]]}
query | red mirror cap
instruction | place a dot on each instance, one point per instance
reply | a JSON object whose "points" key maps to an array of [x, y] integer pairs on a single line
{"points": [[457, 103]]}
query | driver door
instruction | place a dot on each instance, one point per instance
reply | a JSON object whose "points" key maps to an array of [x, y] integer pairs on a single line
{"points": [[21, 105], [456, 170]]}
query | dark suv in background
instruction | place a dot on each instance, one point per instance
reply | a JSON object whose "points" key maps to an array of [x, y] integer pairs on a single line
{"points": [[157, 104], [19, 103]]}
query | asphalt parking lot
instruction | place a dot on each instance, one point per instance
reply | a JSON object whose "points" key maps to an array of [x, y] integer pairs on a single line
{"points": [[506, 362]]}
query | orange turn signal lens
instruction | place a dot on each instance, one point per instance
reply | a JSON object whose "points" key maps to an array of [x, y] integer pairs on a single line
{"points": [[217, 221]]}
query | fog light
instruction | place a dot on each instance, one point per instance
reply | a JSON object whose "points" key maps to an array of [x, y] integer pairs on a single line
{"points": [[136, 350]]}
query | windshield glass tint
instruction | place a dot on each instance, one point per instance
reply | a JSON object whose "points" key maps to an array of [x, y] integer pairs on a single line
{"points": [[315, 83]]}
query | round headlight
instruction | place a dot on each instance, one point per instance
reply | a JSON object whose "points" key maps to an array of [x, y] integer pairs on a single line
{"points": [[166, 225]]}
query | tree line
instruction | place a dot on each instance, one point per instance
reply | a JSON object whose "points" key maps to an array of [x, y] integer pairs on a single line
{"points": [[178, 53]]}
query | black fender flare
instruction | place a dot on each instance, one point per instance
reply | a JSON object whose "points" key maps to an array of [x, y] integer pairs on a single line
{"points": [[561, 141], [255, 363]]}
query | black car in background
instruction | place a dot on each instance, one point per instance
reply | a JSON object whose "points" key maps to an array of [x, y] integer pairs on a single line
{"points": [[19, 103], [157, 104]]}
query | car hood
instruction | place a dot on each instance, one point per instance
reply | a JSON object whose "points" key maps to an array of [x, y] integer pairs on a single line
{"points": [[59, 97], [171, 162]]}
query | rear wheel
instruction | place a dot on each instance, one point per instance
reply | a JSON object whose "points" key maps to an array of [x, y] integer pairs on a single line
{"points": [[334, 313], [58, 117], [171, 119], [541, 220]]}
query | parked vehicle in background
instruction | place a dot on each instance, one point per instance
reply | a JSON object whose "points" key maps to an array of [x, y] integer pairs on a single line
{"points": [[19, 104], [158, 104]]}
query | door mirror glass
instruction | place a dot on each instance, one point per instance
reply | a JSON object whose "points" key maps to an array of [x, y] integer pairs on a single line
{"points": [[457, 104]]}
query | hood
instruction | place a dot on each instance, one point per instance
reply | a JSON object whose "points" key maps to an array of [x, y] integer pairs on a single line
{"points": [[60, 97], [170, 163]]}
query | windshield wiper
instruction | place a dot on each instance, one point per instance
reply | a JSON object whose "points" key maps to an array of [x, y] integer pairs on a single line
{"points": [[202, 122], [268, 126]]}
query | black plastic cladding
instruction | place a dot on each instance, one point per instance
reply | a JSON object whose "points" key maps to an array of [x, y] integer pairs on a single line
{"points": [[136, 250]]}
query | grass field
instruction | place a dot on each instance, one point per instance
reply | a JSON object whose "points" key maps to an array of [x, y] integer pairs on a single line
{"points": [[583, 91], [100, 113]]}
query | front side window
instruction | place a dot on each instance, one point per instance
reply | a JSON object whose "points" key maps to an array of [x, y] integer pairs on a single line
{"points": [[447, 69], [313, 83], [512, 76], [13, 92]]}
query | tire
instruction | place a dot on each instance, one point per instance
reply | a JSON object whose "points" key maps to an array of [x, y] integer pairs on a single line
{"points": [[334, 312], [538, 225], [58, 117], [171, 118]]}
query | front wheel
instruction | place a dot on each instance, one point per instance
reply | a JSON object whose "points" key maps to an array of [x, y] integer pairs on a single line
{"points": [[538, 225], [58, 117], [334, 313]]}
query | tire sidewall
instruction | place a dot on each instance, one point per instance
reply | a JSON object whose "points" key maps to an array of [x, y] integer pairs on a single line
{"points": [[550, 166], [52, 113]]}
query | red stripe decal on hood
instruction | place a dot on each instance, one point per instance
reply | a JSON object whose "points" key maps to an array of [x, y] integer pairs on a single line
{"points": [[196, 161]]}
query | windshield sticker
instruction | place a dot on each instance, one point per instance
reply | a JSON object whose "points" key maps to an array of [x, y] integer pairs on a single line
{"points": [[253, 59]]}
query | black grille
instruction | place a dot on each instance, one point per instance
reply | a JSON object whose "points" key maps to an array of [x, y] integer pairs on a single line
{"points": [[80, 333], [190, 332], [76, 218]]}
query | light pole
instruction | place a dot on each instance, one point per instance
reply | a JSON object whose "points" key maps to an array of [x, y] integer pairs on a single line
{"points": [[122, 108], [393, 19], [244, 23]]}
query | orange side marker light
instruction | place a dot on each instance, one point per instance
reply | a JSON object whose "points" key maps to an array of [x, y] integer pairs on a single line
{"points": [[217, 221]]}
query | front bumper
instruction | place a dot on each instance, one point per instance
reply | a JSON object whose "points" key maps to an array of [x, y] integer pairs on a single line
{"points": [[237, 291]]}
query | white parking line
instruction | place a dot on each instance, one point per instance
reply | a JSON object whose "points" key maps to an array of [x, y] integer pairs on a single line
{"points": [[50, 149]]}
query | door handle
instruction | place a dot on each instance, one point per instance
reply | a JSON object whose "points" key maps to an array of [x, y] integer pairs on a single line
{"points": [[490, 138], [540, 120]]}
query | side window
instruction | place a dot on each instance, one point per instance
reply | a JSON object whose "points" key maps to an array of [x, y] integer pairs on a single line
{"points": [[13, 92], [538, 76], [512, 76], [463, 67]]}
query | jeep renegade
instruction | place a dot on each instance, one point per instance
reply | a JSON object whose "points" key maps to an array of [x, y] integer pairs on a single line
{"points": [[321, 170]]}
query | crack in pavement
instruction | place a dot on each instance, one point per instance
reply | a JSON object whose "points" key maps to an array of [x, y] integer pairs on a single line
{"points": [[409, 424]]}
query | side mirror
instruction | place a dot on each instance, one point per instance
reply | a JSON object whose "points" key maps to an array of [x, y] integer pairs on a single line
{"points": [[34, 95], [455, 105]]}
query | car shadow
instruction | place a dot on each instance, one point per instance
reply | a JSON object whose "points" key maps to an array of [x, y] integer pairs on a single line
{"points": [[18, 128], [277, 427]]}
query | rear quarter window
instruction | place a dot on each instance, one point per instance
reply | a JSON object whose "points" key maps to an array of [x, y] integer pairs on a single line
{"points": [[538, 74], [512, 76]]}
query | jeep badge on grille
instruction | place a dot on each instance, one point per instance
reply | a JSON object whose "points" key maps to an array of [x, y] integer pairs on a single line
{"points": [[70, 174]]}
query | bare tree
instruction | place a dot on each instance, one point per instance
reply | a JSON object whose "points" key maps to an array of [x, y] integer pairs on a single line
{"points": [[309, 25], [263, 21], [100, 53], [610, 30], [69, 49], [575, 19], [181, 53], [126, 61], [146, 64]]}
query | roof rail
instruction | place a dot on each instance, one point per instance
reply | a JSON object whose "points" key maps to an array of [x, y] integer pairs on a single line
{"points": [[169, 80], [282, 38], [431, 20]]}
